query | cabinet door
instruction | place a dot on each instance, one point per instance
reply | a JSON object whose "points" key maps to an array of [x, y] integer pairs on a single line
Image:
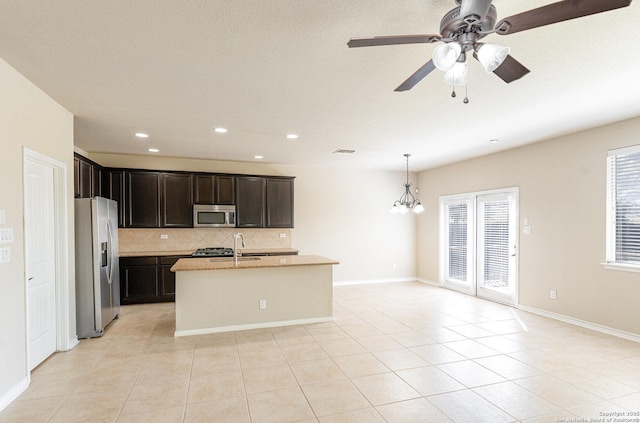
{"points": [[76, 177], [177, 205], [96, 181], [225, 189], [279, 199], [113, 188], [167, 279], [143, 199], [250, 202], [86, 182], [203, 186], [138, 280]]}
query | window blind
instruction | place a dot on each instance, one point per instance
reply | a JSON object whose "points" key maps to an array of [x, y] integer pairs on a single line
{"points": [[457, 223], [624, 206], [496, 245]]}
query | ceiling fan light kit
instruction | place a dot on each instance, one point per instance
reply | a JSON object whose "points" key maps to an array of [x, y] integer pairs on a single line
{"points": [[445, 56], [463, 27], [491, 56], [457, 75]]}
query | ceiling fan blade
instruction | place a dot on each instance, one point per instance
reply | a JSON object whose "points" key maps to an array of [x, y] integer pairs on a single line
{"points": [[511, 70], [556, 12], [394, 39], [474, 10], [418, 76]]}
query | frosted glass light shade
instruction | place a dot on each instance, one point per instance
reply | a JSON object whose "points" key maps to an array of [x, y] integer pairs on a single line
{"points": [[445, 56], [419, 208], [457, 75], [492, 55]]}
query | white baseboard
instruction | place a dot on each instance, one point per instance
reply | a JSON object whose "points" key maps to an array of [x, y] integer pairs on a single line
{"points": [[8, 398], [373, 281], [73, 342], [582, 323], [429, 282], [233, 328]]}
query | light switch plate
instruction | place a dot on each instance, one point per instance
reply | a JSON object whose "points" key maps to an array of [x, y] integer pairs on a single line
{"points": [[6, 235], [526, 230], [5, 255]]}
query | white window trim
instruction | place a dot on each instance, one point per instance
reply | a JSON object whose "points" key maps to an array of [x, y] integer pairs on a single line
{"points": [[610, 263]]}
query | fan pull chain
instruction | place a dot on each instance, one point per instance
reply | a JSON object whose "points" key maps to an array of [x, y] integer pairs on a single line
{"points": [[466, 99], [453, 93]]}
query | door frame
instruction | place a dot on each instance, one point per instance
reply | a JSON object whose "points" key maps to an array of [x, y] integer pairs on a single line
{"points": [[472, 288], [61, 243]]}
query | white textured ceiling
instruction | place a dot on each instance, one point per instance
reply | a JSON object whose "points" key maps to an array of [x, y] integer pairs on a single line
{"points": [[178, 68]]}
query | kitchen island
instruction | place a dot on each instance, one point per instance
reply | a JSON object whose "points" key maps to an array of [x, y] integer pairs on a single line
{"points": [[215, 295]]}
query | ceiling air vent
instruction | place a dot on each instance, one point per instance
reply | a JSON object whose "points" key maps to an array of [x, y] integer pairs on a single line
{"points": [[342, 151]]}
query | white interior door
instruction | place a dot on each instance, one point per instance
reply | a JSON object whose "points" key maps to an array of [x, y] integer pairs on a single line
{"points": [[40, 262]]}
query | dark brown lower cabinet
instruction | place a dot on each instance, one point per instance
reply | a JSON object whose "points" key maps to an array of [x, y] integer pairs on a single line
{"points": [[147, 279], [167, 279]]}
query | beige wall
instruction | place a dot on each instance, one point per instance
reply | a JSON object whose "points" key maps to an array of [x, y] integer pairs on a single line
{"points": [[562, 192], [340, 213], [28, 118]]}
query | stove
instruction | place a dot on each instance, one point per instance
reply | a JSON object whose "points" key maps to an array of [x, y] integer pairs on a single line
{"points": [[213, 252]]}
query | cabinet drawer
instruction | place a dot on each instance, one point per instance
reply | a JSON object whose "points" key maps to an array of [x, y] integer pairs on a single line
{"points": [[170, 260], [138, 261]]}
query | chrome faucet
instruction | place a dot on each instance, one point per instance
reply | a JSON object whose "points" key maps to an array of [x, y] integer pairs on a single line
{"points": [[235, 246]]}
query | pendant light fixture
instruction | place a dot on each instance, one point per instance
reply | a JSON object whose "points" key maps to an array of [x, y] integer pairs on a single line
{"points": [[407, 201]]}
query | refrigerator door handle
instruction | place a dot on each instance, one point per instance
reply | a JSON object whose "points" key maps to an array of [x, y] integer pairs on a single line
{"points": [[110, 267]]}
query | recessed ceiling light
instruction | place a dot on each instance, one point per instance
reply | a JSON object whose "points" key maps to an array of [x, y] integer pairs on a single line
{"points": [[292, 136], [154, 150], [494, 141], [141, 135], [258, 157], [221, 130], [344, 151]]}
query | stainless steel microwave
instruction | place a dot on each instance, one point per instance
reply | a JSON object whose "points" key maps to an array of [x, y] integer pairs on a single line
{"points": [[214, 216]]}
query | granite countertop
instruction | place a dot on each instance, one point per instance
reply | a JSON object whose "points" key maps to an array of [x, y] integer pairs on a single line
{"points": [[242, 251], [188, 252], [208, 263], [154, 253]]}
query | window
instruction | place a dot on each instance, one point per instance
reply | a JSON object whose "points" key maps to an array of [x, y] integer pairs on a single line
{"points": [[623, 207]]}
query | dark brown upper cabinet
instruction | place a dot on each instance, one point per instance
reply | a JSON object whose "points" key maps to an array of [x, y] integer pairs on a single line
{"points": [[158, 199], [176, 200], [203, 188], [250, 201], [142, 199], [113, 188], [279, 203], [225, 189], [209, 188], [87, 177]]}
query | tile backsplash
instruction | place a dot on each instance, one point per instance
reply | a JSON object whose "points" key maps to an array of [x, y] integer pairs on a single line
{"points": [[141, 240]]}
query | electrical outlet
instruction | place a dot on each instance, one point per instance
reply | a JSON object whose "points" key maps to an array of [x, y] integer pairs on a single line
{"points": [[553, 294], [5, 255], [283, 235], [164, 236], [263, 304], [6, 235]]}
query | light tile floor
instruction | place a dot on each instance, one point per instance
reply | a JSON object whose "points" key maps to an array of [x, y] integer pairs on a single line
{"points": [[402, 352]]}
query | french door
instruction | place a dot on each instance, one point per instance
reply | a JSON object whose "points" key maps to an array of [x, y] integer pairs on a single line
{"points": [[478, 247]]}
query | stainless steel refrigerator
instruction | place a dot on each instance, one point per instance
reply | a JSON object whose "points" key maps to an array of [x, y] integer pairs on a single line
{"points": [[97, 267]]}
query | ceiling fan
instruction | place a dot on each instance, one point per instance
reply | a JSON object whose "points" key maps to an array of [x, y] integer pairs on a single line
{"points": [[462, 28]]}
